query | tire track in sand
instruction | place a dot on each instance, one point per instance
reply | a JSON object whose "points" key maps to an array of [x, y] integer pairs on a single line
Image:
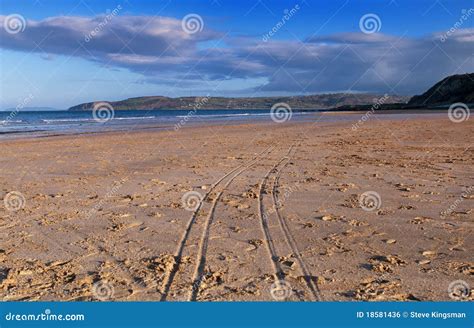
{"points": [[171, 274], [290, 240], [278, 273], [199, 270]]}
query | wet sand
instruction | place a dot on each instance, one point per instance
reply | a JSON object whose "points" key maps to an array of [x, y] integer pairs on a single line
{"points": [[290, 211]]}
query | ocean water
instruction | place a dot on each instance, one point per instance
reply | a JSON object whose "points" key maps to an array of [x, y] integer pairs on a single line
{"points": [[34, 124], [14, 124]]}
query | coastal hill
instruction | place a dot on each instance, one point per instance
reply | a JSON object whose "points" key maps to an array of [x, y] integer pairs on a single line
{"points": [[321, 101], [454, 88], [450, 90]]}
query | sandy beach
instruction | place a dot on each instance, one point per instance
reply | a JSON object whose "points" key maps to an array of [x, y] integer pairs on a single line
{"points": [[292, 211]]}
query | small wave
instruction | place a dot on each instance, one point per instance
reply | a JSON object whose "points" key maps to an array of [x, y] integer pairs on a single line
{"points": [[5, 122], [226, 115], [93, 120], [238, 115], [134, 118], [68, 120]]}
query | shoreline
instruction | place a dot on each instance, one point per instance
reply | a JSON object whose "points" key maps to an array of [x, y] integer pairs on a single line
{"points": [[196, 121]]}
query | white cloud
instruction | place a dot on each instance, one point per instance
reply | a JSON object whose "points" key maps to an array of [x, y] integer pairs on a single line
{"points": [[159, 49]]}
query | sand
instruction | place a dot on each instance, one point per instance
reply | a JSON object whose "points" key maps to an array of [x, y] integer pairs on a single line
{"points": [[291, 211]]}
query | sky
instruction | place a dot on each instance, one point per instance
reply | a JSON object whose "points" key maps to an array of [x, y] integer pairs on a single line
{"points": [[56, 53]]}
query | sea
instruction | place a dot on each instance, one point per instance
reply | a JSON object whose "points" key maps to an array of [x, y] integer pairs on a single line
{"points": [[47, 123]]}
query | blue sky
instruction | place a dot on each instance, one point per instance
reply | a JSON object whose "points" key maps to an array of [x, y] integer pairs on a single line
{"points": [[141, 48]]}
